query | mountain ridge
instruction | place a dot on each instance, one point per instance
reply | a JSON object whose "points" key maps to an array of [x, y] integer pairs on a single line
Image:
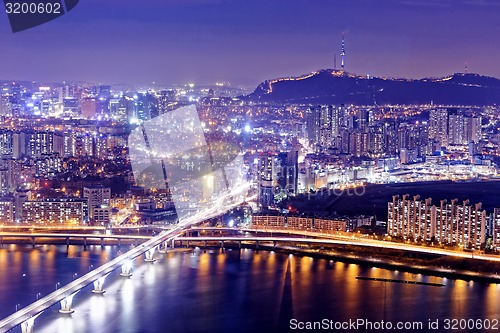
{"points": [[328, 86]]}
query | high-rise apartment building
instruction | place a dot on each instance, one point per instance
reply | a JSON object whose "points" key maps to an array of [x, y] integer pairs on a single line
{"points": [[53, 211], [449, 223], [266, 177], [438, 126]]}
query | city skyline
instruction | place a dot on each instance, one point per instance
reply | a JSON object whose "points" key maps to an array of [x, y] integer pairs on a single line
{"points": [[358, 182], [206, 41]]}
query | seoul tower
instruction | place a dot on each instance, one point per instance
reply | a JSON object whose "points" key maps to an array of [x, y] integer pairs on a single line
{"points": [[342, 54]]}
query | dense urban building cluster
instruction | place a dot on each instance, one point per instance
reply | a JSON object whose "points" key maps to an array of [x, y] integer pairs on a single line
{"points": [[341, 146], [65, 156], [64, 146], [320, 224], [298, 223], [360, 134], [453, 223]]}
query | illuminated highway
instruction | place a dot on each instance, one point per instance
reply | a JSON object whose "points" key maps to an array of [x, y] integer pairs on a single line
{"points": [[346, 241], [67, 235]]}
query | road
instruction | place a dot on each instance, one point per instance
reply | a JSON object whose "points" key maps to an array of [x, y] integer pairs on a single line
{"points": [[61, 235], [348, 241]]}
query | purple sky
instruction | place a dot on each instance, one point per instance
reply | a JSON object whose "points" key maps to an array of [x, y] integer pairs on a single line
{"points": [[248, 41]]}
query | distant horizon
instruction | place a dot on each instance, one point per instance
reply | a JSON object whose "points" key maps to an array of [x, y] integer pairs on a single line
{"points": [[247, 42], [233, 84]]}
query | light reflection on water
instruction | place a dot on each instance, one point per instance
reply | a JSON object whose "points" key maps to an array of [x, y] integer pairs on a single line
{"points": [[26, 271], [230, 290]]}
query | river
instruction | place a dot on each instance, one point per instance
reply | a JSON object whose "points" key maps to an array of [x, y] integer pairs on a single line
{"points": [[232, 291]]}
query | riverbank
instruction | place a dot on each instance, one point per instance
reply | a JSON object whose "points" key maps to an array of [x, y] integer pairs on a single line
{"points": [[467, 269], [72, 241]]}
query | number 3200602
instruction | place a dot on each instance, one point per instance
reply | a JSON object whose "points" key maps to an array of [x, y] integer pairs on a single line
{"points": [[32, 8]]}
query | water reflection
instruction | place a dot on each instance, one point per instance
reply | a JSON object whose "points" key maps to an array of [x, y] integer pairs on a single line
{"points": [[29, 273], [242, 291]]}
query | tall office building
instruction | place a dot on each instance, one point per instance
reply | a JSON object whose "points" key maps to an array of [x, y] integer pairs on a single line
{"points": [[287, 172], [324, 125], [266, 175], [312, 125], [438, 126], [473, 129], [375, 141], [390, 145], [102, 215], [21, 195], [146, 106], [89, 107], [69, 144], [6, 142], [165, 98], [101, 146], [456, 134], [71, 107], [364, 119], [10, 174], [96, 196], [358, 143]]}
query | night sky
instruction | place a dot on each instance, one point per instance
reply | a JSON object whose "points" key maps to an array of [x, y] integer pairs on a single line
{"points": [[248, 41]]}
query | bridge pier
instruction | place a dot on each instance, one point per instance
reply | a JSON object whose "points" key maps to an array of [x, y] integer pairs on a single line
{"points": [[84, 243], [67, 303], [127, 269], [67, 243], [1, 241], [33, 241], [274, 243], [239, 245], [27, 326], [164, 249], [204, 243], [222, 244], [149, 255], [257, 245], [102, 242], [99, 285]]}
